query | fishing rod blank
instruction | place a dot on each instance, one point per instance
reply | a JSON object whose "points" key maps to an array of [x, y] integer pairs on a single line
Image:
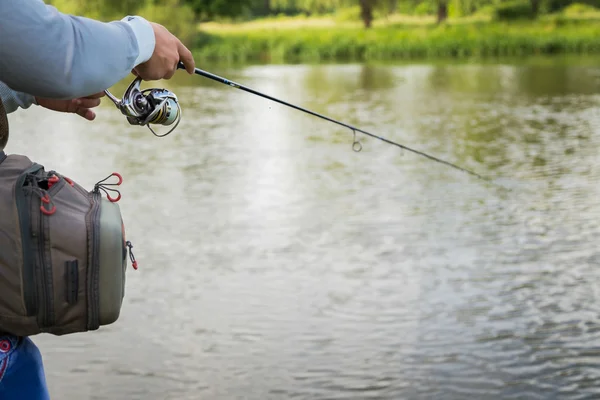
{"points": [[356, 146]]}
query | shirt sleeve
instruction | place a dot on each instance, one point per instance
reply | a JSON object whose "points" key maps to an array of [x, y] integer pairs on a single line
{"points": [[46, 53], [12, 100]]}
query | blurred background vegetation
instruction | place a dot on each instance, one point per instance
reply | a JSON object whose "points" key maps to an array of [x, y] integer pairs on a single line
{"points": [[359, 30]]}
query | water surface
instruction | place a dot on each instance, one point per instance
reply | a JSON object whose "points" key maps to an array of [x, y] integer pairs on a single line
{"points": [[277, 263]]}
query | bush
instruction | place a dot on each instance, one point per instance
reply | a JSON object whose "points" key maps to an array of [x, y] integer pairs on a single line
{"points": [[350, 14], [485, 11], [395, 43], [578, 9], [553, 6], [425, 8], [178, 18], [513, 10]]}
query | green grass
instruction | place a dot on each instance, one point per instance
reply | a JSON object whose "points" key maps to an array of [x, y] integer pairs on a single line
{"points": [[397, 38]]}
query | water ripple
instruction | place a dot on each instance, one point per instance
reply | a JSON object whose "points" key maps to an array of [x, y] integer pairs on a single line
{"points": [[277, 263]]}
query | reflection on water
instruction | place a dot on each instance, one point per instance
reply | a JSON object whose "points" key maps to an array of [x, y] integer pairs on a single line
{"points": [[275, 262]]}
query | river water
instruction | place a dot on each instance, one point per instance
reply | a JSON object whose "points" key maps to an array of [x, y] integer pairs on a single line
{"points": [[277, 263]]}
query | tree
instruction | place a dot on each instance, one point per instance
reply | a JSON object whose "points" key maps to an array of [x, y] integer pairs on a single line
{"points": [[366, 11], [442, 12], [219, 8]]}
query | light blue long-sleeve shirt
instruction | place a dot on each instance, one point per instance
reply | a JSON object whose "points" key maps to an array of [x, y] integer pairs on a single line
{"points": [[46, 53]]}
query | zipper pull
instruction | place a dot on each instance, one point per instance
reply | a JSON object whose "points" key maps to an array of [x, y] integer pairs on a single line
{"points": [[104, 187], [52, 180], [131, 256]]}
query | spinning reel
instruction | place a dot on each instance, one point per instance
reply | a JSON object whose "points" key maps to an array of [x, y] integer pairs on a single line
{"points": [[148, 106]]}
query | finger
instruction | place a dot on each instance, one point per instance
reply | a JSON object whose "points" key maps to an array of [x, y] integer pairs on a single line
{"points": [[133, 71], [170, 72], [150, 74], [87, 102], [187, 58], [86, 113]]}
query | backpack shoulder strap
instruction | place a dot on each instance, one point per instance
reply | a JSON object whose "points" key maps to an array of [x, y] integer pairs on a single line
{"points": [[3, 127]]}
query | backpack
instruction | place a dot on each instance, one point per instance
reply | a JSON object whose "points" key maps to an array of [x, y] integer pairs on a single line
{"points": [[63, 251]]}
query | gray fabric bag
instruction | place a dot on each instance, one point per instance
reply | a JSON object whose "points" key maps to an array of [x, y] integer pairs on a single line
{"points": [[63, 251]]}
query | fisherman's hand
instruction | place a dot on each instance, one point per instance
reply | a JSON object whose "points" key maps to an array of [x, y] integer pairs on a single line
{"points": [[168, 51], [81, 106]]}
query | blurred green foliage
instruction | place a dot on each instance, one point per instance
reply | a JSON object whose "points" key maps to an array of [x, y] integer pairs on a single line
{"points": [[219, 9], [287, 30], [176, 15], [396, 42], [344, 10], [513, 10]]}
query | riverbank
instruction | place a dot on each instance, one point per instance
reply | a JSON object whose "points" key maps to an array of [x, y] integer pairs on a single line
{"points": [[396, 38]]}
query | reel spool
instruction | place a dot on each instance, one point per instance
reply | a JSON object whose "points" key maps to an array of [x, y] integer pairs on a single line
{"points": [[148, 106]]}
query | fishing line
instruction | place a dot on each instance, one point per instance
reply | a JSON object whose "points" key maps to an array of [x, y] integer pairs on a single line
{"points": [[356, 146], [161, 107]]}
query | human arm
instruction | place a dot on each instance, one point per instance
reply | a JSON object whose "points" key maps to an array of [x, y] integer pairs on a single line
{"points": [[49, 54], [12, 100]]}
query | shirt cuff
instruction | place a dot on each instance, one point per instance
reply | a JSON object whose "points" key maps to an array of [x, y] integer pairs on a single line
{"points": [[144, 34], [12, 100]]}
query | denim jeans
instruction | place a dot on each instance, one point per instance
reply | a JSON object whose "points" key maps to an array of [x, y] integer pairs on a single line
{"points": [[21, 370]]}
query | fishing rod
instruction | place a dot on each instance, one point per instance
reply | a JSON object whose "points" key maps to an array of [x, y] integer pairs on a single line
{"points": [[161, 106]]}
